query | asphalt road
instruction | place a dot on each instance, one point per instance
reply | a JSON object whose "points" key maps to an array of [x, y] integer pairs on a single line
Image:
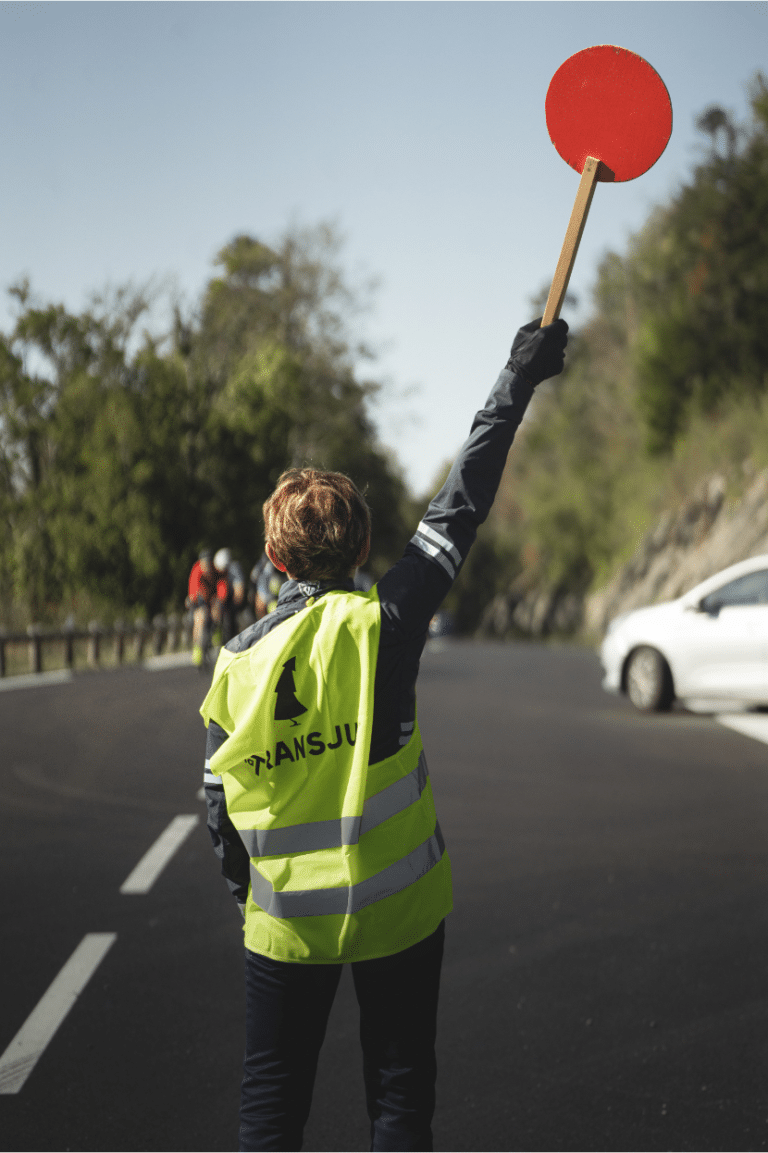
{"points": [[604, 986]]}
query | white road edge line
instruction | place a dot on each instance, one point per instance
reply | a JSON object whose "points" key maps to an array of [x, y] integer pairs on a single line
{"points": [[35, 680], [753, 725], [151, 865], [29, 1044], [167, 661]]}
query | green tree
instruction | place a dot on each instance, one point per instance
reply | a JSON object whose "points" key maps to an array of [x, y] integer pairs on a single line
{"points": [[273, 366], [121, 453], [700, 279]]}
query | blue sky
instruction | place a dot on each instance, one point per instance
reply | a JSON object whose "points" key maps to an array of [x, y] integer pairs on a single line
{"points": [[139, 138]]}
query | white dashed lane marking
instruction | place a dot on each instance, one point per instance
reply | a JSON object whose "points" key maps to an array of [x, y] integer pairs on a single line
{"points": [[29, 1044], [151, 865], [32, 1039]]}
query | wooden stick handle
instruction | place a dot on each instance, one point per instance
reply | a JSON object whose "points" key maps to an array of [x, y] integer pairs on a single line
{"points": [[571, 243]]}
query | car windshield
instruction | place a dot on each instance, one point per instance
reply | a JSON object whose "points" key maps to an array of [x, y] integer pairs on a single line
{"points": [[751, 589]]}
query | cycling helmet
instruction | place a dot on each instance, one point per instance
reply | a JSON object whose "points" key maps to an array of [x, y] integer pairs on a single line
{"points": [[223, 559], [205, 554]]}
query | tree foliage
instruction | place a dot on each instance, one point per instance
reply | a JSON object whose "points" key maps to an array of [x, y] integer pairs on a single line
{"points": [[122, 453], [699, 274], [666, 380]]}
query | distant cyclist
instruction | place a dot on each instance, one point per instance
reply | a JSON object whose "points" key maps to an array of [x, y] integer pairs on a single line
{"points": [[202, 600], [265, 584], [230, 592]]}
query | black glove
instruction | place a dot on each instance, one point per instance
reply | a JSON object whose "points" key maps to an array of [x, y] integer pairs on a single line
{"points": [[538, 353]]}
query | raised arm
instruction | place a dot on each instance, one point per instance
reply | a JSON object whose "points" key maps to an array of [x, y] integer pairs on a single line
{"points": [[449, 527]]}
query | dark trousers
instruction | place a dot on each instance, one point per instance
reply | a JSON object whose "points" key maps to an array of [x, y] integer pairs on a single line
{"points": [[287, 1008]]}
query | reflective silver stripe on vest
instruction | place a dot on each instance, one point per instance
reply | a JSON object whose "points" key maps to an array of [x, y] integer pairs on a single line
{"points": [[396, 797], [352, 898], [301, 838], [341, 831]]}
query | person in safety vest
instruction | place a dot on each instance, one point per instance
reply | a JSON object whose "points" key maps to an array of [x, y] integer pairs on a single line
{"points": [[319, 799]]}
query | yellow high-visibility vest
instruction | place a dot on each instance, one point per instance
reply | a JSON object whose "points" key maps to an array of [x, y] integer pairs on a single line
{"points": [[347, 859]]}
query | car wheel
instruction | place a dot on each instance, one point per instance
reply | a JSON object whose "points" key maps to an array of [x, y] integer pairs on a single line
{"points": [[649, 681]]}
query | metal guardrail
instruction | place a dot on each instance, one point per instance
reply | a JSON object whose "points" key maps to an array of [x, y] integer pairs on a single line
{"points": [[164, 634]]}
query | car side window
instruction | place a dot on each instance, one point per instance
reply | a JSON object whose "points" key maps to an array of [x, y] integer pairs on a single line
{"points": [[751, 589]]}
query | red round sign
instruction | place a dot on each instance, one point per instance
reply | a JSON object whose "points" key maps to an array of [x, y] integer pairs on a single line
{"points": [[609, 103]]}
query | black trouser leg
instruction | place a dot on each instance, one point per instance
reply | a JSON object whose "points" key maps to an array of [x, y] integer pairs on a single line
{"points": [[398, 1022], [286, 1012]]}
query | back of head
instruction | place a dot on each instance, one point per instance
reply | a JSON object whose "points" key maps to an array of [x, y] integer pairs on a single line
{"points": [[318, 524]]}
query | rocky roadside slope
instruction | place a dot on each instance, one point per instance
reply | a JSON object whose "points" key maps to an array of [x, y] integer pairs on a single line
{"points": [[706, 534]]}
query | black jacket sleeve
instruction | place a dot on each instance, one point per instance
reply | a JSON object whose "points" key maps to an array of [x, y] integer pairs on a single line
{"points": [[413, 588], [235, 864]]}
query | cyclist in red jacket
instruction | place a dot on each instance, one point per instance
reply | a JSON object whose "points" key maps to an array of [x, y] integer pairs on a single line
{"points": [[202, 599]]}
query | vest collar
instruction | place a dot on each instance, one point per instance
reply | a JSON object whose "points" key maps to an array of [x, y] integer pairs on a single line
{"points": [[294, 592]]}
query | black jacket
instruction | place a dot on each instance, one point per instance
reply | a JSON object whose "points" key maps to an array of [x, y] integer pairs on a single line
{"points": [[409, 593]]}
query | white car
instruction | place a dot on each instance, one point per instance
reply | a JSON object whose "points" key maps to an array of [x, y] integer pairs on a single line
{"points": [[711, 643]]}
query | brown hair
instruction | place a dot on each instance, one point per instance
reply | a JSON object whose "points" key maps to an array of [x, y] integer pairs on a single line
{"points": [[317, 523]]}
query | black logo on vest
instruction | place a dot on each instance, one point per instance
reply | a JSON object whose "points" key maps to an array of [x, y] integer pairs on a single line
{"points": [[288, 706]]}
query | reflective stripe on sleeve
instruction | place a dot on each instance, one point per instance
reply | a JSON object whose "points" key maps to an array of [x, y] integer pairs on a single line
{"points": [[435, 553], [352, 898], [210, 778], [440, 547], [333, 834], [444, 542]]}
